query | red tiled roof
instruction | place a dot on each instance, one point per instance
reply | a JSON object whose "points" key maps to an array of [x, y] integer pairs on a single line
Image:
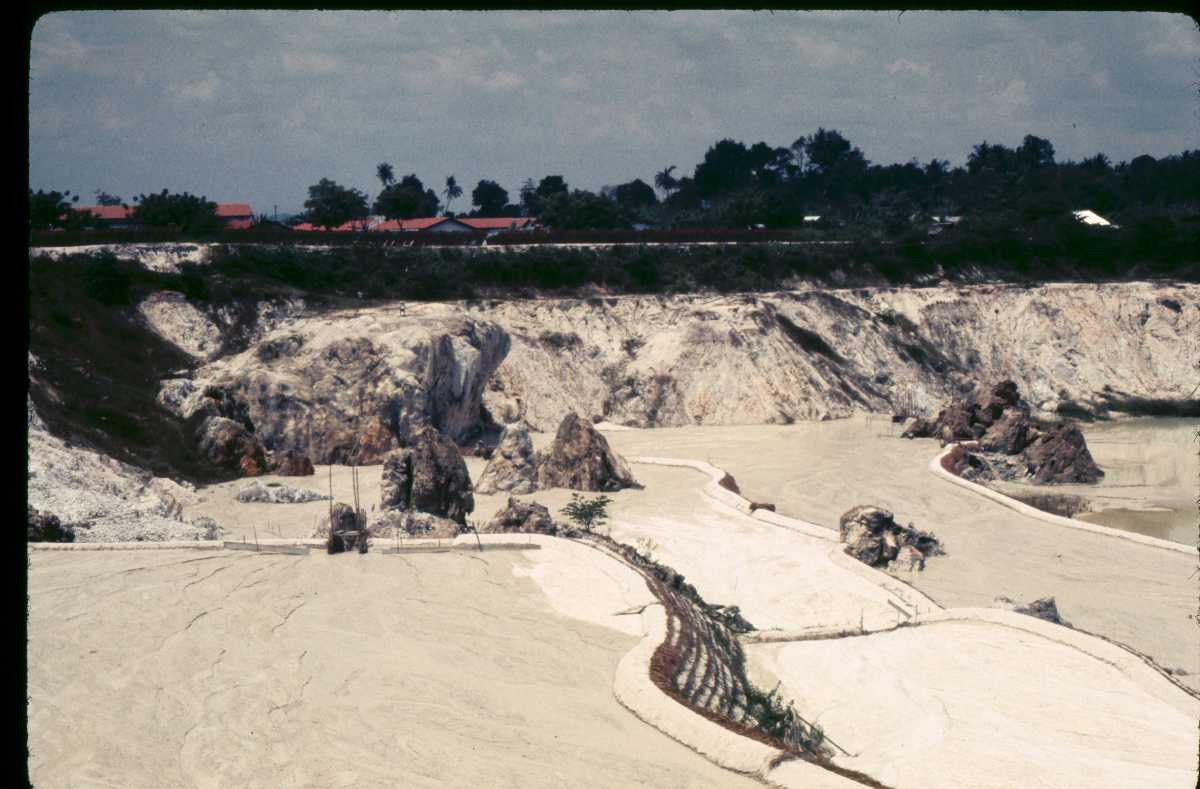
{"points": [[495, 223], [234, 209], [110, 212], [114, 212]]}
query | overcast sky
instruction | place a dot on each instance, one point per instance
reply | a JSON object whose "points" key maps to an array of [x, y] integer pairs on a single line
{"points": [[256, 106]]}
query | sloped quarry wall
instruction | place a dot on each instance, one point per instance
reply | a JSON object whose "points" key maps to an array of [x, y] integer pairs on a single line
{"points": [[792, 356], [329, 384]]}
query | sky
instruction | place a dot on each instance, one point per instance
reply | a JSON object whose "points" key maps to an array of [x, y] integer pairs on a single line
{"points": [[256, 106]]}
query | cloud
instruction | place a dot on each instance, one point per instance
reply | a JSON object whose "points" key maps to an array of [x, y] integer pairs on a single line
{"points": [[503, 80], [309, 63], [1015, 96], [52, 44], [904, 65], [823, 52], [203, 90]]}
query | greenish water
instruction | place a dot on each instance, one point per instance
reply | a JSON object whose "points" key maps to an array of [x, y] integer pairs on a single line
{"points": [[1174, 525]]}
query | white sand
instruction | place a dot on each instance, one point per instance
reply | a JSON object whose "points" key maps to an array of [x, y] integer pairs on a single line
{"points": [[970, 704], [172, 668], [1143, 597]]}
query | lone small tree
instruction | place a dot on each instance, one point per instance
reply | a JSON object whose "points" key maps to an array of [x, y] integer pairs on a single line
{"points": [[587, 514]]}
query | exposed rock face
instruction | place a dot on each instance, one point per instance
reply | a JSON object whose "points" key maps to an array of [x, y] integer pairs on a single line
{"points": [[256, 491], [424, 524], [1013, 445], [342, 384], [1060, 455], [512, 466], [580, 459], [291, 463], [172, 317], [524, 517], [1043, 608], [874, 538], [231, 446], [428, 475], [704, 360]]}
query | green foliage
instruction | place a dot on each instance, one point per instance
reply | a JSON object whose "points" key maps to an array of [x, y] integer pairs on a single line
{"points": [[185, 212], [50, 209], [582, 210], [104, 198], [489, 197], [407, 199], [587, 514], [453, 191], [330, 204]]}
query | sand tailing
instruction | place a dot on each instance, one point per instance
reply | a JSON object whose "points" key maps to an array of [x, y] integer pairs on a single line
{"points": [[449, 669]]}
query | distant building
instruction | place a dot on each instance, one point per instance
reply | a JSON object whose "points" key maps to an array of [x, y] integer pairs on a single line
{"points": [[1089, 217], [236, 216]]}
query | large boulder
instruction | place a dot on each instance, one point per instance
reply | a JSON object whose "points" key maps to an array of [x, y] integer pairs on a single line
{"points": [[872, 536], [580, 459], [230, 446], [276, 493], [428, 475], [44, 527], [1060, 455], [1042, 608], [512, 467], [523, 517]]}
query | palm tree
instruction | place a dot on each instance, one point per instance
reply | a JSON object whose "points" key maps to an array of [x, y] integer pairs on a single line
{"points": [[385, 175], [453, 191], [665, 181]]}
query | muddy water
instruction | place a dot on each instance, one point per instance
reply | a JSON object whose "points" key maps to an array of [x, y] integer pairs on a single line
{"points": [[1151, 477]]}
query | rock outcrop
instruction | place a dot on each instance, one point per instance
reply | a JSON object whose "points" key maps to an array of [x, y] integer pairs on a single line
{"points": [[346, 386], [523, 517], [872, 536], [291, 463], [428, 475], [1012, 445], [44, 527], [512, 466], [1043, 608], [275, 493], [580, 459], [230, 446]]}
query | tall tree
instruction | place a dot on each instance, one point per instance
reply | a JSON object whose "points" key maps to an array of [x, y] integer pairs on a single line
{"points": [[635, 194], [385, 174], [407, 199], [104, 198], [330, 204], [453, 191], [490, 198], [665, 181]]}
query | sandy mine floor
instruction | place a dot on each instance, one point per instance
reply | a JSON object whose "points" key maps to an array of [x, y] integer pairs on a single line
{"points": [[1141, 596], [969, 704], [183, 668], [220, 669]]}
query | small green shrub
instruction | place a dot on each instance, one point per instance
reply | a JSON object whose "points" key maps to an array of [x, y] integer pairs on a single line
{"points": [[587, 514]]}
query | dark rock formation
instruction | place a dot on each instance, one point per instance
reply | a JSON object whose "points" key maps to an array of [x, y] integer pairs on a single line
{"points": [[580, 459], [44, 527], [762, 505], [428, 475], [290, 463], [424, 524], [230, 446], [524, 517], [343, 519], [1020, 447], [874, 538], [1060, 455], [1043, 608], [512, 467]]}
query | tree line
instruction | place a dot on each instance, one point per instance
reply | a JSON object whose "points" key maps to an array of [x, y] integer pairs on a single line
{"points": [[738, 185], [819, 175]]}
